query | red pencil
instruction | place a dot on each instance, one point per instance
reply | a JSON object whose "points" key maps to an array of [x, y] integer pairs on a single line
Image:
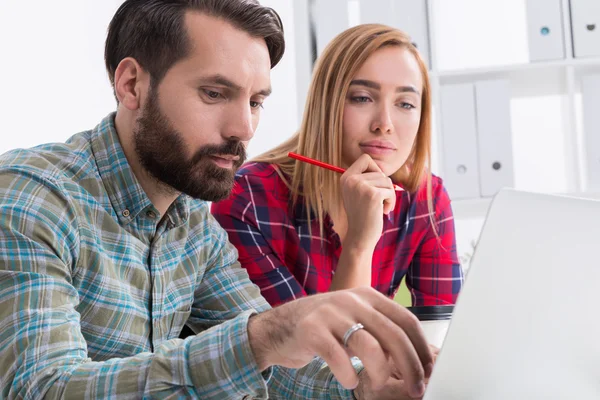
{"points": [[325, 165]]}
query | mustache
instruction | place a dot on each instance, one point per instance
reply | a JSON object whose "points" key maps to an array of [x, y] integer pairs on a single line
{"points": [[231, 147]]}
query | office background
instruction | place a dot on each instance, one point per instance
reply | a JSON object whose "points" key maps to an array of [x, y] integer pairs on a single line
{"points": [[510, 106]]}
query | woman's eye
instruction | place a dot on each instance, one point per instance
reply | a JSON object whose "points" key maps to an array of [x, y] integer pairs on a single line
{"points": [[360, 99]]}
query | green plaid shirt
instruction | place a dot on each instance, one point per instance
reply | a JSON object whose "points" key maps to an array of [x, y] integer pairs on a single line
{"points": [[95, 287]]}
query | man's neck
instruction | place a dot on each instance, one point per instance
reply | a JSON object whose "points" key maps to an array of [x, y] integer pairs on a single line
{"points": [[160, 197]]}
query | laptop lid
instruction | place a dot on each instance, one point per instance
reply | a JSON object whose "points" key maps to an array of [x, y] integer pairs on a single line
{"points": [[526, 325]]}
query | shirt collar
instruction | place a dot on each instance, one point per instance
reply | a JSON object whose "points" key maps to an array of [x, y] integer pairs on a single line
{"points": [[127, 196]]}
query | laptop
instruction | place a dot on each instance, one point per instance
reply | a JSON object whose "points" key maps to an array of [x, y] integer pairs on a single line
{"points": [[526, 324]]}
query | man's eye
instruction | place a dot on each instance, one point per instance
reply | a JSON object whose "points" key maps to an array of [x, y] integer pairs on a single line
{"points": [[212, 94]]}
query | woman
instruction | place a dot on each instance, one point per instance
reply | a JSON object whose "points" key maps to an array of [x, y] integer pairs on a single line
{"points": [[301, 229]]}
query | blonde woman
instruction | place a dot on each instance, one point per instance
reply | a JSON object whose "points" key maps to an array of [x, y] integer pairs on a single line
{"points": [[301, 229]]}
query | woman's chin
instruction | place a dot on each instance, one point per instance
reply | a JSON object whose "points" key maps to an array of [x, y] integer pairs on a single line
{"points": [[387, 169]]}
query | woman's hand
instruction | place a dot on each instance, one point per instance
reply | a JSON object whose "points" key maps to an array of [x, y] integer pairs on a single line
{"points": [[367, 195]]}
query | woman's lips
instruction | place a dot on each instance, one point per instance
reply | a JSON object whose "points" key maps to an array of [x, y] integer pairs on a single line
{"points": [[375, 148]]}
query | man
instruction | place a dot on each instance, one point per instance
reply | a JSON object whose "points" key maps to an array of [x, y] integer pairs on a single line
{"points": [[107, 247]]}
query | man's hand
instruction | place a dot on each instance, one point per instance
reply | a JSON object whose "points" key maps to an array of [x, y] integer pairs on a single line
{"points": [[435, 352], [292, 334], [394, 388]]}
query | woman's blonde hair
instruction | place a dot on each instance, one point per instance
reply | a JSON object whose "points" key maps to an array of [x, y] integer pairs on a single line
{"points": [[320, 135]]}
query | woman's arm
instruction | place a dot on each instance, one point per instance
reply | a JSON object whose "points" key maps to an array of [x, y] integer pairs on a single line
{"points": [[258, 225], [435, 275]]}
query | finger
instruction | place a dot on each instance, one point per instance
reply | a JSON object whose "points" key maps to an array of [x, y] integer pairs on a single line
{"points": [[364, 163], [399, 333], [376, 179], [367, 180], [330, 349], [383, 180], [393, 389], [434, 350], [403, 392], [383, 194], [397, 375], [363, 345], [379, 181], [389, 201], [360, 182], [385, 189], [410, 325], [397, 343]]}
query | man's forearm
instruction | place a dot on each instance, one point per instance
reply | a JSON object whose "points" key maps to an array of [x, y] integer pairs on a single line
{"points": [[216, 364]]}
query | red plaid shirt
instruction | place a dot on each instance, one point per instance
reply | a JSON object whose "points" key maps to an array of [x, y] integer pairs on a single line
{"points": [[286, 263]]}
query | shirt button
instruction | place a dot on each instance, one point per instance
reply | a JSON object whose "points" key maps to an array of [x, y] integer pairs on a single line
{"points": [[126, 213], [151, 214]]}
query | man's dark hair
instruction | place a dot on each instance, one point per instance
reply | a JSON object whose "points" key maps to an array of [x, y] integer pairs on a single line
{"points": [[154, 32]]}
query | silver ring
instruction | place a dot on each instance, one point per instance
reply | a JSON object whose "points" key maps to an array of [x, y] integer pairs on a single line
{"points": [[349, 332]]}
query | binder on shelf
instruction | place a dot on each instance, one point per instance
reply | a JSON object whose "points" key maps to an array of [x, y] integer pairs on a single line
{"points": [[331, 18], [545, 30], [459, 140], [409, 16], [590, 94], [585, 25], [494, 138]]}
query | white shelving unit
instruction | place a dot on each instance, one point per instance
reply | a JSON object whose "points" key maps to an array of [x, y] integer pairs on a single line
{"points": [[560, 77], [533, 79]]}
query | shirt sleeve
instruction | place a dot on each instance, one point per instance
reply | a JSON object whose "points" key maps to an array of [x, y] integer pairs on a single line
{"points": [[44, 353], [435, 275], [315, 381], [258, 224]]}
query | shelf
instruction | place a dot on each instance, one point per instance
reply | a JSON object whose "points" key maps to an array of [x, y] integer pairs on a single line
{"points": [[478, 208], [477, 73], [531, 79]]}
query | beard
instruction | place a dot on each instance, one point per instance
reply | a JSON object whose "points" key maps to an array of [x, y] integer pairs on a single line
{"points": [[162, 153]]}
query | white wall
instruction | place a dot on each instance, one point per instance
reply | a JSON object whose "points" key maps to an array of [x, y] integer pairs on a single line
{"points": [[475, 33], [279, 118], [53, 81]]}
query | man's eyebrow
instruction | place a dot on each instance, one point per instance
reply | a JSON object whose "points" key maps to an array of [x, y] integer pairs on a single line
{"points": [[220, 80], [265, 92], [223, 81]]}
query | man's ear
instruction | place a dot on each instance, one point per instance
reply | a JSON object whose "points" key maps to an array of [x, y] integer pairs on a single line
{"points": [[131, 80]]}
